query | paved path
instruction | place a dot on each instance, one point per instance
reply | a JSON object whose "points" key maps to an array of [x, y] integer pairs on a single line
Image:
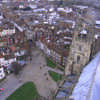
{"points": [[10, 84], [31, 72], [54, 70], [36, 74]]}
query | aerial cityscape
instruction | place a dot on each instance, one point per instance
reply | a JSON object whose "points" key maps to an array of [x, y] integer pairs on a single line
{"points": [[49, 49]]}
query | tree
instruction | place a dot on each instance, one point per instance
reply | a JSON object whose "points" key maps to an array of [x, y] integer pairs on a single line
{"points": [[27, 8], [16, 67], [15, 8]]}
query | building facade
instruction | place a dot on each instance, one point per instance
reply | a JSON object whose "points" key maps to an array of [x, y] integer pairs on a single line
{"points": [[81, 47]]}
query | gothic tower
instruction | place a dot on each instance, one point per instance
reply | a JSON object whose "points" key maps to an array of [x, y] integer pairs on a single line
{"points": [[81, 46]]}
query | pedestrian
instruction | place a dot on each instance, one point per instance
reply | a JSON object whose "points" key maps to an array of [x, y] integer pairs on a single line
{"points": [[45, 74], [47, 78], [20, 80], [30, 59], [40, 67]]}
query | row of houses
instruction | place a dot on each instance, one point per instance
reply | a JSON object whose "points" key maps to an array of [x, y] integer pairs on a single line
{"points": [[13, 46], [57, 53]]}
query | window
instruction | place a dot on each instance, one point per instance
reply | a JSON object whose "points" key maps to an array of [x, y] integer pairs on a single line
{"points": [[78, 59], [80, 48]]}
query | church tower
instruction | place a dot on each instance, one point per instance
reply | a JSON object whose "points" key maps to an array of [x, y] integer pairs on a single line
{"points": [[81, 46]]}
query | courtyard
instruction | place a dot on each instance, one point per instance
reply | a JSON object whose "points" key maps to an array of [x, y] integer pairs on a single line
{"points": [[32, 72]]}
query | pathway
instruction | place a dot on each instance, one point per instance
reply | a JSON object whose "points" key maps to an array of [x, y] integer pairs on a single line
{"points": [[54, 70], [36, 75]]}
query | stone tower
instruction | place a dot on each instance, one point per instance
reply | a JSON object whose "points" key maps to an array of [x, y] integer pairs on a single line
{"points": [[81, 46]]}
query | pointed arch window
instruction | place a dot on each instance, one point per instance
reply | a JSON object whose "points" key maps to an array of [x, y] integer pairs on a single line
{"points": [[78, 59]]}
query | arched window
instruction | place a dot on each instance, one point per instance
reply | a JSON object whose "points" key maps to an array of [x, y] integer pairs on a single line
{"points": [[80, 48], [78, 59]]}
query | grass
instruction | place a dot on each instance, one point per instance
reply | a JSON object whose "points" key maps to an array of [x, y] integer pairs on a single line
{"points": [[26, 92], [50, 63], [55, 76]]}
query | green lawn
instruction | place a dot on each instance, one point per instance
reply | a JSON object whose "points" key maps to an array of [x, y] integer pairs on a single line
{"points": [[26, 92], [50, 63], [55, 76]]}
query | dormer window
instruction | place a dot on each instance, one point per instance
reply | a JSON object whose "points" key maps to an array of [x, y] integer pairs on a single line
{"points": [[78, 59]]}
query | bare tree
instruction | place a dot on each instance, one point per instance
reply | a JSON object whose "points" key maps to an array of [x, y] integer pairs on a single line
{"points": [[16, 68]]}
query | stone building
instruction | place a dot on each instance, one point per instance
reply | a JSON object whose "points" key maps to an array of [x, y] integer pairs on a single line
{"points": [[81, 46]]}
